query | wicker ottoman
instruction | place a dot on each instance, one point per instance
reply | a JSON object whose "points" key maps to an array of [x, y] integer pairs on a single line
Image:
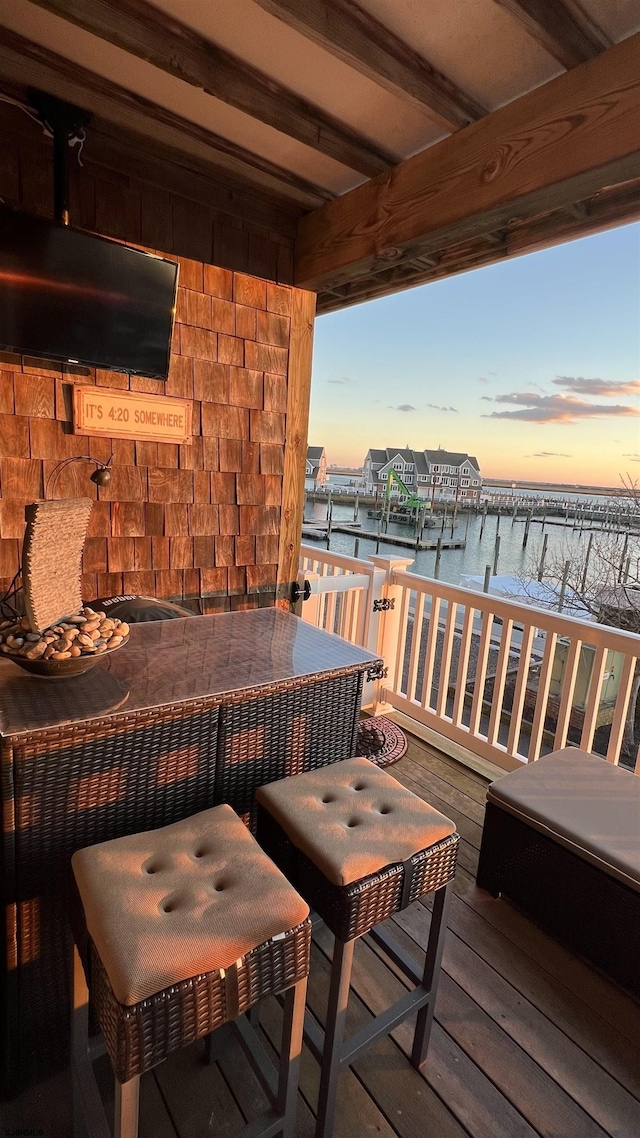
{"points": [[359, 847], [187, 928], [561, 840]]}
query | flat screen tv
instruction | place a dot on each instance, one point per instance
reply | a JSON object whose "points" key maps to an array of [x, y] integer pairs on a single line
{"points": [[67, 295]]}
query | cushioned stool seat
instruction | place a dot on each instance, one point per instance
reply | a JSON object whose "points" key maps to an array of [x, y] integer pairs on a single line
{"points": [[359, 847], [189, 898], [188, 927], [351, 819]]}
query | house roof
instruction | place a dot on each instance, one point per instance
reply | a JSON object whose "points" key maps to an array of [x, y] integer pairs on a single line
{"points": [[314, 454], [421, 459], [298, 103], [407, 455], [378, 456], [450, 458]]}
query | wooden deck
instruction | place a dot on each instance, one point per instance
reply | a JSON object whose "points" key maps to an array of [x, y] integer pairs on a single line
{"points": [[528, 1039]]}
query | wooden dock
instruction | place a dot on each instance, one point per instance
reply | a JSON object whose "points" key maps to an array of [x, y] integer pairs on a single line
{"points": [[319, 532]]}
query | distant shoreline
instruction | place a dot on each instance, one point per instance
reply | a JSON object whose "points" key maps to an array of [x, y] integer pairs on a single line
{"points": [[509, 483]]}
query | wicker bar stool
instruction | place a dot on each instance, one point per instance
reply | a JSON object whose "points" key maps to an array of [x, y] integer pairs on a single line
{"points": [[359, 847], [180, 931]]}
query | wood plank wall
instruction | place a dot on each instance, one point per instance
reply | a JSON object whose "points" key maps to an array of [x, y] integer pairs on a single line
{"points": [[184, 522]]}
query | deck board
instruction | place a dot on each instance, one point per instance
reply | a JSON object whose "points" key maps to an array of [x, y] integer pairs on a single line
{"points": [[566, 1062], [529, 1041]]}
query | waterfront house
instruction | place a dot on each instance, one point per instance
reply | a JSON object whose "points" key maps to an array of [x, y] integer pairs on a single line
{"points": [[435, 475], [453, 476], [315, 475]]}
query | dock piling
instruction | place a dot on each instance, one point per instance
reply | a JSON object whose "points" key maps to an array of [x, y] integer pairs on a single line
{"points": [[543, 555], [563, 586], [436, 571]]}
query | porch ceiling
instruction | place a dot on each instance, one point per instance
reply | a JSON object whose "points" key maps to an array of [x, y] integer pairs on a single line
{"points": [[298, 102]]}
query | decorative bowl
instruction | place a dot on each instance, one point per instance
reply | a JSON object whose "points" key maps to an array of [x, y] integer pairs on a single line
{"points": [[70, 647], [60, 669]]}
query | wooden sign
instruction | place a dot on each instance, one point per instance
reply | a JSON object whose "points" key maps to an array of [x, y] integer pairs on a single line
{"points": [[128, 415]]}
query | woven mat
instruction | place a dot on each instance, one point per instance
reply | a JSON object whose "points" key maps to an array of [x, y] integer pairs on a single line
{"points": [[380, 741], [52, 559]]}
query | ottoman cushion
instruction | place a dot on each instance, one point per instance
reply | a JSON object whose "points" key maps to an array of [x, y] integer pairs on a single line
{"points": [[170, 904], [583, 802], [351, 819]]}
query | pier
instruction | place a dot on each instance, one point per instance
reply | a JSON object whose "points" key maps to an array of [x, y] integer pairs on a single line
{"points": [[615, 516], [321, 532]]}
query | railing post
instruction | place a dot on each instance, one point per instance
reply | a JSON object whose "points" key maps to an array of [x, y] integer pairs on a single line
{"points": [[385, 623]]}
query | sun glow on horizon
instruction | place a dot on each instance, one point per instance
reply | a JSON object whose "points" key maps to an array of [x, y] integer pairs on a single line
{"points": [[532, 365]]}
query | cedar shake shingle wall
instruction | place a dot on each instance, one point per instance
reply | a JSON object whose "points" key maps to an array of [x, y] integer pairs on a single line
{"points": [[176, 521]]}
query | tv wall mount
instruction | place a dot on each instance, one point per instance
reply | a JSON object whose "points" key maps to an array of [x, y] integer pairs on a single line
{"points": [[66, 123]]}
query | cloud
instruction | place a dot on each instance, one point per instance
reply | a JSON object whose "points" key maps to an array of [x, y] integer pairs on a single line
{"points": [[482, 379], [493, 373], [343, 381], [437, 407], [486, 399], [607, 387], [548, 454], [633, 457], [534, 408], [404, 407]]}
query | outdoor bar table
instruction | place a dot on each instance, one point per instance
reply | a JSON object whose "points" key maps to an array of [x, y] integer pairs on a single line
{"points": [[189, 714]]}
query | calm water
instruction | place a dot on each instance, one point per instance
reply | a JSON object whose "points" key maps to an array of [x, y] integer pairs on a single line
{"points": [[563, 541]]}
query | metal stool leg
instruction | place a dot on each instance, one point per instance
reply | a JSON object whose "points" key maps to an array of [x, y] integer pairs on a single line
{"points": [[88, 1112], [334, 1036], [431, 974], [290, 1052], [125, 1111]]}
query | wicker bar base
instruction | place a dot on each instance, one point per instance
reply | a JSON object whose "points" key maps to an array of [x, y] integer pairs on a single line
{"points": [[594, 914], [81, 783]]}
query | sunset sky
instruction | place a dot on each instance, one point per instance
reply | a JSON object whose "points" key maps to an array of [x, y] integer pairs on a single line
{"points": [[533, 365]]}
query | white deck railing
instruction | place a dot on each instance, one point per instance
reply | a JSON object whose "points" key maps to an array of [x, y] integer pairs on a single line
{"points": [[505, 680]]}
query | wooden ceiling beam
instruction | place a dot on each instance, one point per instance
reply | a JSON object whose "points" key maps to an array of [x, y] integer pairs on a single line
{"points": [[25, 62], [140, 157], [150, 34], [558, 144], [350, 33], [612, 207], [563, 29]]}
